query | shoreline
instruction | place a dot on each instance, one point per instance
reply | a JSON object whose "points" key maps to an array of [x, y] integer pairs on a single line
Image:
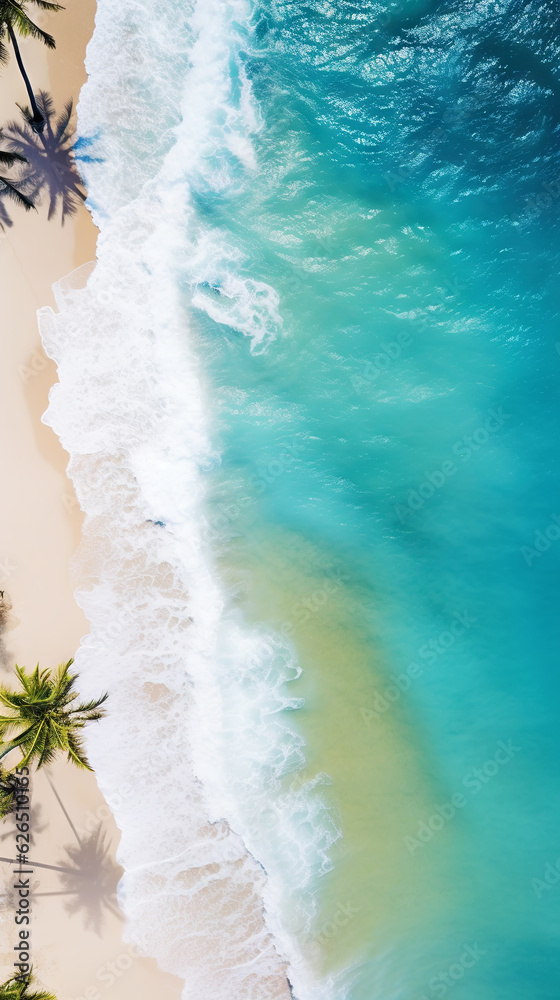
{"points": [[78, 936]]}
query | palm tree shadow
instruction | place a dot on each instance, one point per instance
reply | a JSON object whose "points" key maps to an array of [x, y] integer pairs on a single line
{"points": [[37, 824], [5, 221], [89, 877], [12, 189], [50, 170]]}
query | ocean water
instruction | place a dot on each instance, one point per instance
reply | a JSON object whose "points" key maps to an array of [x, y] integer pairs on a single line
{"points": [[309, 394]]}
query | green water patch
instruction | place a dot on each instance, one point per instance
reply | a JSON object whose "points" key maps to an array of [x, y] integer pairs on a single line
{"points": [[384, 782]]}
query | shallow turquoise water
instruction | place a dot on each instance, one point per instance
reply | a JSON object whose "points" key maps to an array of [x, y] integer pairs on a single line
{"points": [[399, 430]]}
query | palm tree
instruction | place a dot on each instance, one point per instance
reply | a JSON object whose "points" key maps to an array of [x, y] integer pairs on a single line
{"points": [[8, 790], [51, 164], [46, 717], [14, 17], [8, 188], [18, 989]]}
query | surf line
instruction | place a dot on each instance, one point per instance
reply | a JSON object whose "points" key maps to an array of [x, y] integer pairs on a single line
{"points": [[22, 916]]}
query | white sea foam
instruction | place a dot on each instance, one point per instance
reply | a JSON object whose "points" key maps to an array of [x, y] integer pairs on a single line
{"points": [[195, 750]]}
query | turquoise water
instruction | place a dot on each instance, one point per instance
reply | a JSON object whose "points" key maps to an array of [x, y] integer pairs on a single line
{"points": [[348, 214], [401, 430]]}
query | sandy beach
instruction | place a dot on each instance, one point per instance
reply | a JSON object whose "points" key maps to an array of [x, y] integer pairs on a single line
{"points": [[79, 945]]}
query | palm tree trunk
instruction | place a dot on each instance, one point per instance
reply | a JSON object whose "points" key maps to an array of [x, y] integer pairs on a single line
{"points": [[38, 120]]}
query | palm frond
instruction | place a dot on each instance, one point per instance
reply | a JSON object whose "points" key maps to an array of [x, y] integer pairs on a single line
{"points": [[45, 717], [90, 706], [18, 741], [45, 5], [28, 29], [77, 753], [8, 793], [8, 722], [34, 744], [18, 989]]}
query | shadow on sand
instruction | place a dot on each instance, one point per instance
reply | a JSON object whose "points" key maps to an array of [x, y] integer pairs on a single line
{"points": [[44, 168], [89, 877], [88, 873]]}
